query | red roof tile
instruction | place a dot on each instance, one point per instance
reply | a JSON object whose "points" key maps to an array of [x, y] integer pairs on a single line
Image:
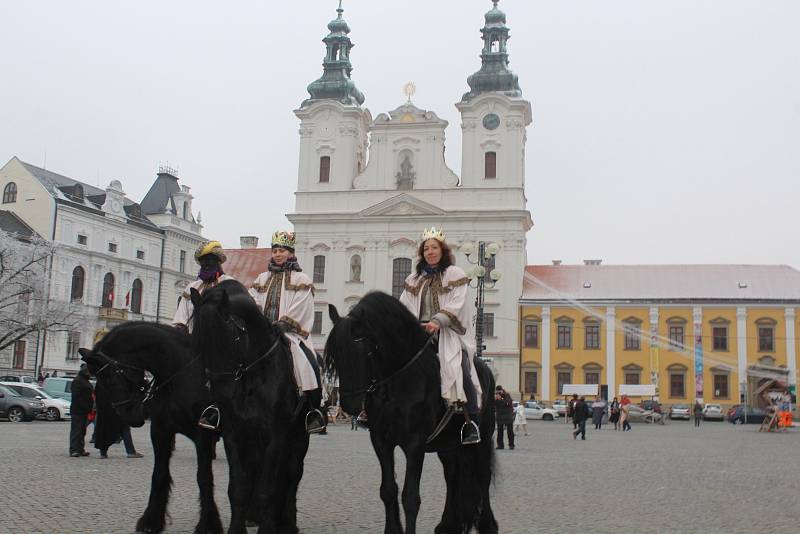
{"points": [[245, 264]]}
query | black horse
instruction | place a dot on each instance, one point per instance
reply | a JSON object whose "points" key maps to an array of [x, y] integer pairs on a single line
{"points": [[173, 400], [249, 366], [386, 364]]}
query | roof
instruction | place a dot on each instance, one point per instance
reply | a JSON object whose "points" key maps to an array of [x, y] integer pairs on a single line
{"points": [[159, 198], [245, 264], [11, 223], [661, 282]]}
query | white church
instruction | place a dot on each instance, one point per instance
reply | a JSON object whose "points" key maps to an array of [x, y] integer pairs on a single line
{"points": [[367, 187]]}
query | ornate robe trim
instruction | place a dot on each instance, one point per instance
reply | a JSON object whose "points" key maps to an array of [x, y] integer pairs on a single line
{"points": [[455, 324], [296, 287], [436, 285], [457, 283], [294, 325], [188, 295]]}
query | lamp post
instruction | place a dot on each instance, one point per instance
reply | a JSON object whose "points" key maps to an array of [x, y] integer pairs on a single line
{"points": [[478, 275]]}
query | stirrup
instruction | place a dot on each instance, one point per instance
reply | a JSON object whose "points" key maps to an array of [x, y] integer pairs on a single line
{"points": [[473, 434], [315, 422], [207, 416]]}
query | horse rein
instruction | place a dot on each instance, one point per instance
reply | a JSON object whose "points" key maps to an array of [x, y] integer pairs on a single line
{"points": [[242, 368]]}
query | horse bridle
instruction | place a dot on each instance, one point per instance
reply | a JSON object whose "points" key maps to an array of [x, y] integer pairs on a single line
{"points": [[243, 368]]}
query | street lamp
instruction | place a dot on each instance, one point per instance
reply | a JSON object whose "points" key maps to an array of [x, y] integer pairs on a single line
{"points": [[479, 276]]}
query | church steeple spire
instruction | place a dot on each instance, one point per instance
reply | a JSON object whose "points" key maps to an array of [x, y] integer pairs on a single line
{"points": [[494, 74], [335, 83]]}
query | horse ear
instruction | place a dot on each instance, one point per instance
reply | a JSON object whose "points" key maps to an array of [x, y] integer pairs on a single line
{"points": [[333, 313], [85, 353], [194, 295]]}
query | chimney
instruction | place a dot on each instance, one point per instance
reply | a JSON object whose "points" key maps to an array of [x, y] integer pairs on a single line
{"points": [[248, 241], [592, 262], [556, 262]]}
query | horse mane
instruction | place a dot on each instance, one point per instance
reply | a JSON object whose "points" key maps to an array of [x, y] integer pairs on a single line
{"points": [[157, 334]]}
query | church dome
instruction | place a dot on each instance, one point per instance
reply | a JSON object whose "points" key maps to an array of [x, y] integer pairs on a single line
{"points": [[495, 16], [339, 25]]}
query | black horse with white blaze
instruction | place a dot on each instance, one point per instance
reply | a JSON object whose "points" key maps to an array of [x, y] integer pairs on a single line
{"points": [[249, 365], [387, 365], [173, 400]]}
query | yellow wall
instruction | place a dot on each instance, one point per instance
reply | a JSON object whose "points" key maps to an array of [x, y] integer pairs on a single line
{"points": [[639, 357], [753, 354], [578, 355], [34, 204]]}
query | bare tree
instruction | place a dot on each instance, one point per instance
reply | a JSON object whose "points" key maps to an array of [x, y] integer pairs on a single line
{"points": [[25, 306]]}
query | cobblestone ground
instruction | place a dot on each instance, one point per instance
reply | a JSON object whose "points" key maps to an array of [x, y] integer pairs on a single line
{"points": [[673, 478]]}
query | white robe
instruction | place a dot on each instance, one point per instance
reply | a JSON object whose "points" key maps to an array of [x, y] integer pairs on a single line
{"points": [[456, 332], [183, 315], [296, 309]]}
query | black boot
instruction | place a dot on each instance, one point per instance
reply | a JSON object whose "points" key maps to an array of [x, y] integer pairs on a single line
{"points": [[210, 418]]}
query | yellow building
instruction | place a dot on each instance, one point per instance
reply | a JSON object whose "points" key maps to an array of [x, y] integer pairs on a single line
{"points": [[715, 332]]}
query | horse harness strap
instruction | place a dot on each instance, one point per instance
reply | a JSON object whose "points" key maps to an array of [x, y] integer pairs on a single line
{"points": [[242, 369]]}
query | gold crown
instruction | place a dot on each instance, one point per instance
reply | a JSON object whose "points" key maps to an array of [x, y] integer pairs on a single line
{"points": [[433, 233], [283, 238]]}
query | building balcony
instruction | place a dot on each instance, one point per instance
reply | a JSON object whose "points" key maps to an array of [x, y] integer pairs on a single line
{"points": [[113, 314]]}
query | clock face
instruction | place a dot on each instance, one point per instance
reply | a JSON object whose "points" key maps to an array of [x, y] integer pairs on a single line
{"points": [[491, 121]]}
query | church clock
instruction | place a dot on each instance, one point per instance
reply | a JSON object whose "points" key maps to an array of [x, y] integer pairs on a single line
{"points": [[491, 121]]}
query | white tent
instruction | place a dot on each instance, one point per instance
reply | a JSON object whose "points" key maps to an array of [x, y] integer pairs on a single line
{"points": [[637, 390], [580, 389]]}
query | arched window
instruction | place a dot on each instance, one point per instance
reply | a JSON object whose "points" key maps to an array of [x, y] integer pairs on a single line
{"points": [[401, 268], [325, 169], [78, 279], [319, 269], [136, 296], [10, 193], [107, 298], [490, 165]]}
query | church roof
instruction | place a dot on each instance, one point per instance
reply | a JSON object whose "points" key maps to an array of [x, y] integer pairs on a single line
{"points": [[13, 224], [159, 198], [661, 282]]}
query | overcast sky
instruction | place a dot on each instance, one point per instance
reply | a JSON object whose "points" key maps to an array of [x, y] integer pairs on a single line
{"points": [[663, 132]]}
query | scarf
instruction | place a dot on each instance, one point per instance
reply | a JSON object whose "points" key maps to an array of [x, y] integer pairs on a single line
{"points": [[289, 265], [209, 275], [427, 270]]}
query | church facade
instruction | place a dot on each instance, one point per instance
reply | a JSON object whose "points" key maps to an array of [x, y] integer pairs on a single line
{"points": [[367, 187]]}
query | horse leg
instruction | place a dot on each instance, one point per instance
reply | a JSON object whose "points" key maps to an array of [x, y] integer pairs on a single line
{"points": [[292, 474], [487, 524], [385, 453], [239, 488], [154, 517], [449, 522], [209, 514], [415, 457]]}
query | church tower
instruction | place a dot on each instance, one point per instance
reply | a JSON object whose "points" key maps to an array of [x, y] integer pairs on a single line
{"points": [[333, 125], [494, 115]]}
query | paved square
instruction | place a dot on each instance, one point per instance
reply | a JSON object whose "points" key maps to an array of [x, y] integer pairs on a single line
{"points": [[673, 478]]}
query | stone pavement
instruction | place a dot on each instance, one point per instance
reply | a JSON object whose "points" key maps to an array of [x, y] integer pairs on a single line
{"points": [[673, 478]]}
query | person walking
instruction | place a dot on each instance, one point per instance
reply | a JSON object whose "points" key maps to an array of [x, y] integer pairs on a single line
{"points": [[698, 413], [598, 410], [504, 415], [613, 410], [625, 412], [580, 413], [79, 408], [520, 422], [571, 409]]}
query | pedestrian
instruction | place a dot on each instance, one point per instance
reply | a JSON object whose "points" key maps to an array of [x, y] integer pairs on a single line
{"points": [[580, 413], [598, 410], [46, 376], [40, 378], [532, 398], [571, 409], [79, 408], [613, 410], [698, 413], [504, 415], [625, 413], [520, 422]]}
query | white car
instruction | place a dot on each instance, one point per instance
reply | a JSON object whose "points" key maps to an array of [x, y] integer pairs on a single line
{"points": [[560, 406], [534, 410], [54, 409], [713, 411]]}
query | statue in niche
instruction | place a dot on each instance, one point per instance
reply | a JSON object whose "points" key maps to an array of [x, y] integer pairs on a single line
{"points": [[355, 268], [406, 176]]}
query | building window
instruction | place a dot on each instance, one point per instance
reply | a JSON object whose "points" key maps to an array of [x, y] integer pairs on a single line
{"points": [[140, 254], [112, 247], [401, 268], [720, 334], [592, 377], [532, 382], [490, 165], [324, 169], [532, 335], [182, 262], [563, 377], [720, 386], [592, 334], [24, 303], [676, 337], [632, 378], [82, 239], [185, 211], [677, 385], [73, 343], [10, 193], [316, 328], [319, 269], [78, 279], [766, 339], [632, 334], [107, 299], [19, 354], [136, 296], [564, 336]]}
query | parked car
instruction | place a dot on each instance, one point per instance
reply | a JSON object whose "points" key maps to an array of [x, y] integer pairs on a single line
{"points": [[15, 378], [650, 406], [54, 409], [560, 406], [534, 410], [680, 411], [754, 415], [58, 387], [637, 413], [713, 411], [17, 408]]}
